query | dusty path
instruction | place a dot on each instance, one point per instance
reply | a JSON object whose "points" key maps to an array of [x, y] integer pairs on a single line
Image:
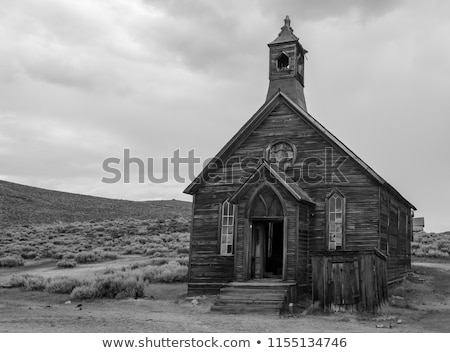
{"points": [[421, 307]]}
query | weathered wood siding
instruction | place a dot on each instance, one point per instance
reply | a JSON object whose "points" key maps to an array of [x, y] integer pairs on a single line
{"points": [[361, 217], [315, 173], [302, 277], [395, 234], [207, 269], [349, 280]]}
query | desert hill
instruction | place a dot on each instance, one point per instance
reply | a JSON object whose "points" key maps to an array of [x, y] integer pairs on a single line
{"points": [[21, 204]]}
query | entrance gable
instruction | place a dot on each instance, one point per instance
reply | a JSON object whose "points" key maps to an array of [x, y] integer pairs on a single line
{"points": [[270, 173], [264, 202]]}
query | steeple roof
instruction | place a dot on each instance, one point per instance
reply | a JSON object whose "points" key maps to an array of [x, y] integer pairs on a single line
{"points": [[286, 34]]}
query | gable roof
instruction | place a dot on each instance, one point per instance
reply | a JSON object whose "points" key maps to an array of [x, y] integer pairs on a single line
{"points": [[259, 117], [291, 186]]}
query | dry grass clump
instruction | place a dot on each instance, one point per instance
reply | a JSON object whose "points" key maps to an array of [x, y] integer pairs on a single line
{"points": [[11, 261], [167, 273], [60, 284], [63, 284], [116, 286], [66, 263], [29, 282], [162, 270]]}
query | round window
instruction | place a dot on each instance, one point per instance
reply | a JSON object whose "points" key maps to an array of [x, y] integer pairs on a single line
{"points": [[282, 153]]}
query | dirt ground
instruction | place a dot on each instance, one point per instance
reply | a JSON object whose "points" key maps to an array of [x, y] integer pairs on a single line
{"points": [[421, 304]]}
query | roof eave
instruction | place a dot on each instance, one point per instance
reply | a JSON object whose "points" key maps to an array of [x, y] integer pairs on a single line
{"points": [[347, 150]]}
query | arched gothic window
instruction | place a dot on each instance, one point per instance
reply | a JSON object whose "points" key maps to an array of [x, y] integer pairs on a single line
{"points": [[335, 220], [227, 228]]}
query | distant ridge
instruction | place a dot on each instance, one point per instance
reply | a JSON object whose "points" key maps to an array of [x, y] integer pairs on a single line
{"points": [[22, 204]]}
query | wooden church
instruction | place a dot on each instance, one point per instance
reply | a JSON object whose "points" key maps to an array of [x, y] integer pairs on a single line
{"points": [[285, 210]]}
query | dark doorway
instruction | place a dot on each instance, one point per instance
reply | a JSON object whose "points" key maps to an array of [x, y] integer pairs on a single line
{"points": [[267, 249]]}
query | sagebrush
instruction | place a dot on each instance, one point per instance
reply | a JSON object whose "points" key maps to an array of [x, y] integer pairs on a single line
{"points": [[435, 245], [87, 242]]}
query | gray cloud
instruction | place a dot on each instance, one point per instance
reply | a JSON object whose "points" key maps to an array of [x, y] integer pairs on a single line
{"points": [[306, 10], [80, 81]]}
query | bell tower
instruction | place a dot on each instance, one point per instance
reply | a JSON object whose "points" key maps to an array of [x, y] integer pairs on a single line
{"points": [[287, 65]]}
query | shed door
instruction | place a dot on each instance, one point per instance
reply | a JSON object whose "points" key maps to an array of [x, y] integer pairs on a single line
{"points": [[345, 283]]}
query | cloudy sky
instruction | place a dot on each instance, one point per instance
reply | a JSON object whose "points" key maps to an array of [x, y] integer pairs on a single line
{"points": [[80, 81]]}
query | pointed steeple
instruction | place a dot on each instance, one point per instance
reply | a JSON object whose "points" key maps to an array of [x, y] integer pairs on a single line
{"points": [[287, 61], [286, 34]]}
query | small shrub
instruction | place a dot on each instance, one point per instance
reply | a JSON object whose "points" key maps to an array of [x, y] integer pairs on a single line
{"points": [[29, 255], [86, 257], [109, 271], [11, 261], [183, 250], [174, 272], [184, 261], [124, 287], [38, 283], [133, 250], [69, 255], [170, 272], [158, 261], [29, 282], [66, 263], [17, 281], [438, 254], [62, 285], [415, 245], [113, 286], [109, 255], [419, 253], [86, 291]]}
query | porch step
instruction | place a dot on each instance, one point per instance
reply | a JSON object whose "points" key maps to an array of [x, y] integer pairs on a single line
{"points": [[258, 296]]}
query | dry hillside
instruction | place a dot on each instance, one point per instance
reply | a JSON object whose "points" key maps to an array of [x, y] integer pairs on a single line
{"points": [[21, 204]]}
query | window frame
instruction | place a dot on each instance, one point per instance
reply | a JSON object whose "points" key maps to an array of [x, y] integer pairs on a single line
{"points": [[227, 215], [289, 161], [338, 194]]}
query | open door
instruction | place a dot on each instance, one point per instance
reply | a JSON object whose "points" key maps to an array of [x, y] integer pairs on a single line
{"points": [[267, 236], [267, 249]]}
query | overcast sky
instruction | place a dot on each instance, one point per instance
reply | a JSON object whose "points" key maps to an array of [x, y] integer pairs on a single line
{"points": [[80, 81]]}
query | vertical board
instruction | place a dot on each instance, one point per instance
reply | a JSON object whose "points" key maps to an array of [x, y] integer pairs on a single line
{"points": [[344, 280]]}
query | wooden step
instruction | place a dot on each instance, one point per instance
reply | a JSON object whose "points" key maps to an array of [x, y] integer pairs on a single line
{"points": [[240, 310], [253, 296]]}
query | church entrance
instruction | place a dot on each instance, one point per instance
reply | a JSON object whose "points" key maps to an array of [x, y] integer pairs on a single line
{"points": [[267, 249], [266, 238]]}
